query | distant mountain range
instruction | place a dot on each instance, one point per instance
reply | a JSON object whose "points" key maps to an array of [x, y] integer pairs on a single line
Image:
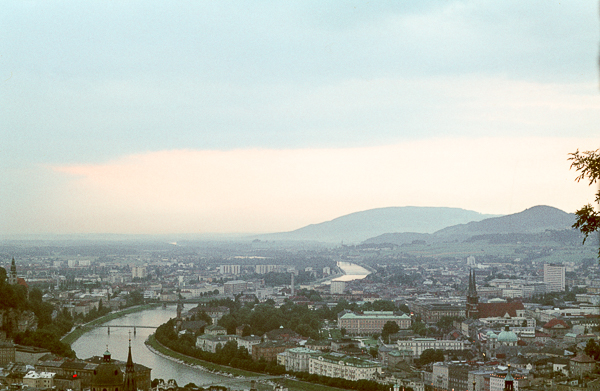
{"points": [[359, 226], [399, 225], [518, 226]]}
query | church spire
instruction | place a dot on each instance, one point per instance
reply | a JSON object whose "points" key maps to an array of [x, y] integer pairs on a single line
{"points": [[129, 371], [470, 282], [472, 310]]}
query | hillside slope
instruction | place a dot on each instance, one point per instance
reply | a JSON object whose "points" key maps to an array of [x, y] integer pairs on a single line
{"points": [[530, 221], [359, 226]]}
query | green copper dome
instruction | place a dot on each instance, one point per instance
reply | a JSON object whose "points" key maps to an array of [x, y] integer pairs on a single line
{"points": [[507, 336]]}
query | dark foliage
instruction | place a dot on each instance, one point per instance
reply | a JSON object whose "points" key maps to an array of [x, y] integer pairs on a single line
{"points": [[588, 165]]}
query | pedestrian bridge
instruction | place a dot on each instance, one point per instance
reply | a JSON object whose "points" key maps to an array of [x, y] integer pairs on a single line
{"points": [[123, 325]]}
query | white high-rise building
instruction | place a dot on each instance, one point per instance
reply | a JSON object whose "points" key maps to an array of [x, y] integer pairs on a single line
{"points": [[471, 261], [230, 269], [264, 269], [139, 272], [554, 276], [337, 287]]}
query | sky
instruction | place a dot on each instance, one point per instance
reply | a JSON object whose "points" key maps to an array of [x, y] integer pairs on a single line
{"points": [[148, 117]]}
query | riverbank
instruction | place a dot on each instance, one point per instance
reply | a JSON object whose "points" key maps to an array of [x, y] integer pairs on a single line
{"points": [[163, 351], [293, 385], [78, 331]]}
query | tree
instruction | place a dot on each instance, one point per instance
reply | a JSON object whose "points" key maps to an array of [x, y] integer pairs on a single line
{"points": [[374, 351], [592, 349], [404, 308], [588, 164], [431, 355], [446, 323], [390, 327], [419, 328]]}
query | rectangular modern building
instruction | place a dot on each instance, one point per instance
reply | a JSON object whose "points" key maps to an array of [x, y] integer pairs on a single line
{"points": [[370, 322], [418, 345], [554, 276], [234, 287], [230, 269]]}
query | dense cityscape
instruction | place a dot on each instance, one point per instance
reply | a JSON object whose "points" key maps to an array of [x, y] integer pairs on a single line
{"points": [[299, 195], [420, 316]]}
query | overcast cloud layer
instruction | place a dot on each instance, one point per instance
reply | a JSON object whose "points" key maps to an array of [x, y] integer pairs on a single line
{"points": [[150, 117]]}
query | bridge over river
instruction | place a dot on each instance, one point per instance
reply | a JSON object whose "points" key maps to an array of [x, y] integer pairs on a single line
{"points": [[133, 326], [120, 326]]}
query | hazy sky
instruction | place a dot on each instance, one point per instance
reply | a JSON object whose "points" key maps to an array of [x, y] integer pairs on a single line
{"points": [[261, 116]]}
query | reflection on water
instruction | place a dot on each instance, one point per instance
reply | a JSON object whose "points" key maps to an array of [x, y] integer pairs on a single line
{"points": [[94, 343], [352, 272]]}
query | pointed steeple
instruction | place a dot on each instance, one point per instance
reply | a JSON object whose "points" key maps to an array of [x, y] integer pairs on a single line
{"points": [[472, 310], [470, 281], [129, 384]]}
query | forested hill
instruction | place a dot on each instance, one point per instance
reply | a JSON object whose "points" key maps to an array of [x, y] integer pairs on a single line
{"points": [[359, 226], [45, 332], [532, 220], [522, 226]]}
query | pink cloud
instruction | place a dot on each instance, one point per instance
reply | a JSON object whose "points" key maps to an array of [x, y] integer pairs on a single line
{"points": [[261, 190]]}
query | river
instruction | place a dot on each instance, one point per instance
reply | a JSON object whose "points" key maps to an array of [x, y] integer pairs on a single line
{"points": [[351, 271], [94, 343]]}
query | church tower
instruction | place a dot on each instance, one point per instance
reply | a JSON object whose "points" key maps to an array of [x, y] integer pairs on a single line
{"points": [[107, 376], [12, 277], [179, 319], [129, 383], [509, 381], [472, 298]]}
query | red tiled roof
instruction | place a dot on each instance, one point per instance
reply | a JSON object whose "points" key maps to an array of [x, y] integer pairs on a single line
{"points": [[487, 310], [583, 358], [556, 322]]}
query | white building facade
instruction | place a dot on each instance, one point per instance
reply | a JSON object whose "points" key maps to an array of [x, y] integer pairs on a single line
{"points": [[418, 345], [342, 366], [554, 276]]}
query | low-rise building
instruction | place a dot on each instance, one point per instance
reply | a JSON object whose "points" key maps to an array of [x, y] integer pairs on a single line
{"points": [[29, 354], [501, 375], [296, 359], [210, 342], [7, 352], [418, 345], [39, 379], [248, 342], [215, 329], [581, 364], [342, 366], [370, 322], [269, 350]]}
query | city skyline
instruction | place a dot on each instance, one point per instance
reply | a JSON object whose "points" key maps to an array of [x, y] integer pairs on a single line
{"points": [[221, 117]]}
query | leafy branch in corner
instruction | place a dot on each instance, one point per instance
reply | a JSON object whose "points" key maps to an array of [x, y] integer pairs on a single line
{"points": [[588, 165]]}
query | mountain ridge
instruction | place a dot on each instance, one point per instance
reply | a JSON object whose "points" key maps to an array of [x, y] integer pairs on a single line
{"points": [[359, 226], [534, 220]]}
